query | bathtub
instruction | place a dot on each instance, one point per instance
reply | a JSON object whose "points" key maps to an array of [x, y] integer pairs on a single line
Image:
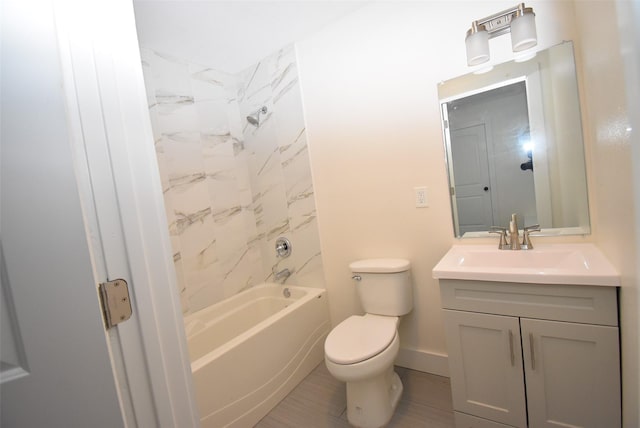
{"points": [[249, 351]]}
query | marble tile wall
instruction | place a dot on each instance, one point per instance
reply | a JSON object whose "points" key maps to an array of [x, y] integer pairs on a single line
{"points": [[232, 188]]}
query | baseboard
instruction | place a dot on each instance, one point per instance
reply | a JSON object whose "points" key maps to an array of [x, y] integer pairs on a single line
{"points": [[424, 361]]}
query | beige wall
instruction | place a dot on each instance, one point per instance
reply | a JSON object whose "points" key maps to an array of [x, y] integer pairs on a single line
{"points": [[611, 172], [369, 87]]}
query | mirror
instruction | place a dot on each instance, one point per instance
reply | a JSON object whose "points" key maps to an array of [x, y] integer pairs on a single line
{"points": [[513, 143]]}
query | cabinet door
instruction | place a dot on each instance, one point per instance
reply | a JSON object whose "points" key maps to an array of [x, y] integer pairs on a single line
{"points": [[485, 361], [573, 374]]}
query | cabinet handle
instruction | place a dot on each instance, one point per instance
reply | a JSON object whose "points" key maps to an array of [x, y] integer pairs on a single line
{"points": [[513, 355], [533, 356]]}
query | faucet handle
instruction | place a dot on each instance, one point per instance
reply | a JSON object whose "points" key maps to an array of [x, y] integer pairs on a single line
{"points": [[503, 236], [526, 240], [283, 247]]}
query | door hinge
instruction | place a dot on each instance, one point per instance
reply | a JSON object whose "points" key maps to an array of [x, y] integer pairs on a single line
{"points": [[116, 304]]}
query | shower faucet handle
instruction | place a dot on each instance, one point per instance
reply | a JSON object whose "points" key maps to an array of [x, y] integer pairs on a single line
{"points": [[283, 247]]}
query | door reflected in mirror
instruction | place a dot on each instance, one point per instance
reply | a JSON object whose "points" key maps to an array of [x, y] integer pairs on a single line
{"points": [[513, 140]]}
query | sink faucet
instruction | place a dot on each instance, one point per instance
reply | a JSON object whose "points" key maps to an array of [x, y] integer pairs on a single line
{"points": [[503, 244], [513, 241], [526, 241]]}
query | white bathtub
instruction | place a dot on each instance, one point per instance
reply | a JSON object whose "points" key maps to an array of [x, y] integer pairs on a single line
{"points": [[249, 351]]}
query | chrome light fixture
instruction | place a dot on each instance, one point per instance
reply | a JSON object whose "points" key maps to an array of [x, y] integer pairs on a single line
{"points": [[520, 21]]}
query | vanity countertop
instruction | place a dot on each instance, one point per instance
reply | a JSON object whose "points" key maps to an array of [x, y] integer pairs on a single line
{"points": [[574, 264]]}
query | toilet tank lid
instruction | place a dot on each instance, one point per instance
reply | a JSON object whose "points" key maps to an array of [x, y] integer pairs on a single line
{"points": [[379, 266]]}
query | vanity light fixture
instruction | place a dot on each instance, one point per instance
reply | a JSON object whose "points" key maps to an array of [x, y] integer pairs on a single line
{"points": [[520, 21]]}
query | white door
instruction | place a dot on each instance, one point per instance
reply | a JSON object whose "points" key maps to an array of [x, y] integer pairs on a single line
{"points": [[573, 374], [485, 362], [56, 366], [472, 185], [80, 203]]}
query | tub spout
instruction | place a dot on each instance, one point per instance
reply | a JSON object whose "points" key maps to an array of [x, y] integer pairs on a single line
{"points": [[282, 275]]}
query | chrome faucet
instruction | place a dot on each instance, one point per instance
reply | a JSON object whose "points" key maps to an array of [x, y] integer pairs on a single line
{"points": [[510, 239], [282, 275]]}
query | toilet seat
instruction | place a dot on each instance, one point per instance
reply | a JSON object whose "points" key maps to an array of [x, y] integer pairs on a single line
{"points": [[359, 338]]}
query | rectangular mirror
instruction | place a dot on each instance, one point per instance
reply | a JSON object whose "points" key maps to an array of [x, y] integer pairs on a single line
{"points": [[513, 143]]}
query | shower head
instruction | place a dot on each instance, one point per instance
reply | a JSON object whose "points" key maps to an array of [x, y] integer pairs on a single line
{"points": [[254, 118]]}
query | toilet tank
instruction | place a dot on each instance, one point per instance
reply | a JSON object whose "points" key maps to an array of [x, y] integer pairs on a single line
{"points": [[384, 286]]}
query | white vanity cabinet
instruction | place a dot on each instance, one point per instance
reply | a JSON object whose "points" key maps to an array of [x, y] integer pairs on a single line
{"points": [[532, 355]]}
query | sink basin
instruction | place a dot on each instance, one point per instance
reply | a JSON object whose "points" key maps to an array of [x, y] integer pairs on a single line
{"points": [[580, 264]]}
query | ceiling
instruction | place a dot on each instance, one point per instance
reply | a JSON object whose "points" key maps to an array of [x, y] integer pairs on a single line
{"points": [[231, 35]]}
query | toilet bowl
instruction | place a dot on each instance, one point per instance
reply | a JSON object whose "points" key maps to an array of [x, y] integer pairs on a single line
{"points": [[361, 350], [365, 363]]}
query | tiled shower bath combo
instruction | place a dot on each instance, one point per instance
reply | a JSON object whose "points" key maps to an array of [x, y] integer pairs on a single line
{"points": [[232, 188], [233, 160]]}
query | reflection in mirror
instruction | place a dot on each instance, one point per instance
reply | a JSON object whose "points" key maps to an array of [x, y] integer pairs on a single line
{"points": [[513, 141]]}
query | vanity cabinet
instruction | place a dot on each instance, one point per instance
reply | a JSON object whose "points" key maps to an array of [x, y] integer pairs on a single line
{"points": [[532, 355]]}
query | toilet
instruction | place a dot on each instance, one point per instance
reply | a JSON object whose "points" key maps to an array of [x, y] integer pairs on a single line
{"points": [[361, 349]]}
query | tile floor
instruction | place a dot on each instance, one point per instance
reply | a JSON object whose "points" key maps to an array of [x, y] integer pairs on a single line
{"points": [[320, 402]]}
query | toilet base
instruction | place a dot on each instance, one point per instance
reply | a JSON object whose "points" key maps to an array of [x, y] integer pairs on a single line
{"points": [[371, 402]]}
